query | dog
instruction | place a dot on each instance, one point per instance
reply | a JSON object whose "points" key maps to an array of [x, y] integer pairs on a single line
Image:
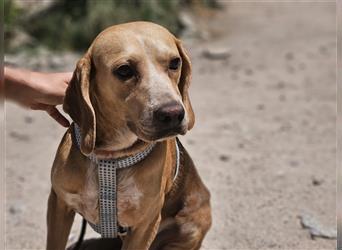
{"points": [[129, 90]]}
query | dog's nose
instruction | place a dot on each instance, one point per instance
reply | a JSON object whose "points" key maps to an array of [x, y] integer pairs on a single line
{"points": [[169, 115]]}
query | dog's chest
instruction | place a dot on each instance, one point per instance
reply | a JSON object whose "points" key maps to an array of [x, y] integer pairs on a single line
{"points": [[129, 196]]}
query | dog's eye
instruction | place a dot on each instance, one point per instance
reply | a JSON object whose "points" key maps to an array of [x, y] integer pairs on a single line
{"points": [[174, 63], [124, 72]]}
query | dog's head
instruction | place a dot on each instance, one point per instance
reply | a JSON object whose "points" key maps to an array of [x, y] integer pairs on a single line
{"points": [[132, 83]]}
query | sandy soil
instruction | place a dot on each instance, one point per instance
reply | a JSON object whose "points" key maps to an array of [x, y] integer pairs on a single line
{"points": [[264, 140]]}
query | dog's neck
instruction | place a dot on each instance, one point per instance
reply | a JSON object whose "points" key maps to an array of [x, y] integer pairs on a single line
{"points": [[135, 148], [108, 152], [116, 140], [117, 143]]}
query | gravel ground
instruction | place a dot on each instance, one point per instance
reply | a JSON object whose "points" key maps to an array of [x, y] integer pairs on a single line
{"points": [[264, 140]]}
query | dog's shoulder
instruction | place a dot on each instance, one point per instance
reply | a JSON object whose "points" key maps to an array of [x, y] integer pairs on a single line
{"points": [[70, 165]]}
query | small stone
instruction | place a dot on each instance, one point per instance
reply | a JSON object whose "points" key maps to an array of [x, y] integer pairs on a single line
{"points": [[323, 50], [12, 210], [285, 127], [260, 107], [190, 142], [305, 122], [289, 56], [16, 209], [316, 229], [249, 72], [28, 119], [226, 126], [224, 158], [281, 85], [294, 163], [216, 53], [316, 182], [249, 83], [19, 136], [280, 174], [271, 245]]}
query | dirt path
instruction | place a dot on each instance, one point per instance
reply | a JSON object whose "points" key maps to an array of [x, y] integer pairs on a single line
{"points": [[264, 140]]}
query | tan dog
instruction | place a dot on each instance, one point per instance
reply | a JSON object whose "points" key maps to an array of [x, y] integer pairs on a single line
{"points": [[130, 89]]}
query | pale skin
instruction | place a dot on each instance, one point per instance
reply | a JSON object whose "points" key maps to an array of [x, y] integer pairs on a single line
{"points": [[37, 90]]}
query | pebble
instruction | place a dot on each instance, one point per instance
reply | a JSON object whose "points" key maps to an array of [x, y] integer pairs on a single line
{"points": [[249, 83], [260, 107], [289, 56], [294, 163], [323, 50], [216, 53], [224, 158], [28, 119], [316, 229], [316, 182], [190, 142], [281, 85], [280, 174], [249, 72], [16, 209], [285, 127], [19, 136]]}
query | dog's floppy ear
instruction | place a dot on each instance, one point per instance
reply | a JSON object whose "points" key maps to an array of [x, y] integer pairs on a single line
{"points": [[77, 104], [184, 83]]}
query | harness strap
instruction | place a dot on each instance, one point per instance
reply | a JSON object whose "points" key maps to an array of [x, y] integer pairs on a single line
{"points": [[177, 160], [107, 176]]}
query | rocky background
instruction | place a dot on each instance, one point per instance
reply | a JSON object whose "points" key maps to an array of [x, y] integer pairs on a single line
{"points": [[264, 94]]}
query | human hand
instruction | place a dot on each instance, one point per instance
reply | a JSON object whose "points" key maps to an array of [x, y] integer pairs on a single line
{"points": [[38, 91]]}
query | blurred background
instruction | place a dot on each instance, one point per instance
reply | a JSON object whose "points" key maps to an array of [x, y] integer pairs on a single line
{"points": [[264, 95]]}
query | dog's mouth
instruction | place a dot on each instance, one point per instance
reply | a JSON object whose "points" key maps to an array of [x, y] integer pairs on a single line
{"points": [[149, 134]]}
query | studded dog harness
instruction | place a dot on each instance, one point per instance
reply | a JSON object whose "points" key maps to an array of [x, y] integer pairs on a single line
{"points": [[108, 226]]}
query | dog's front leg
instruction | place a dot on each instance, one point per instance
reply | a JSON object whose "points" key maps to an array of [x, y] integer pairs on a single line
{"points": [[141, 237], [59, 222]]}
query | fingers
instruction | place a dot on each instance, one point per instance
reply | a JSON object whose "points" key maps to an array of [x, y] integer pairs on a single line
{"points": [[53, 112], [38, 106]]}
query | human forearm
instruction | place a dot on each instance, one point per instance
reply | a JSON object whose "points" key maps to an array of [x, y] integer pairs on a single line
{"points": [[18, 86]]}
